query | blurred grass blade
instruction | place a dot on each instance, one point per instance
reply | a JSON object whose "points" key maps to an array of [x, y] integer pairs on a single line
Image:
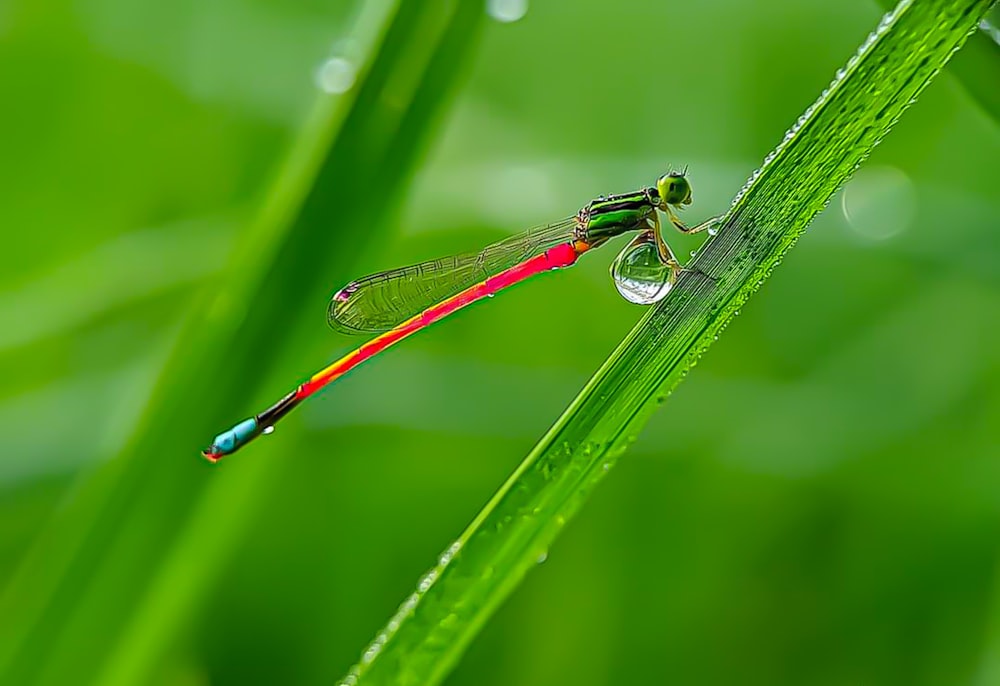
{"points": [[103, 593], [422, 643], [989, 667]]}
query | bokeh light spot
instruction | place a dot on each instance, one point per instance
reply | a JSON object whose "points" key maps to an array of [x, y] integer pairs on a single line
{"points": [[336, 75], [507, 11], [879, 203]]}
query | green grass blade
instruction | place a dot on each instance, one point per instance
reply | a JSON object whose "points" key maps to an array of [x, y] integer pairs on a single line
{"points": [[107, 587], [977, 67], [432, 628]]}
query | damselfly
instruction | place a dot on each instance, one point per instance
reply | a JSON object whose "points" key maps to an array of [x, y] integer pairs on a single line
{"points": [[400, 302]]}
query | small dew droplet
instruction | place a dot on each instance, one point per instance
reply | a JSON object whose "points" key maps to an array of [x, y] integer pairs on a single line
{"points": [[268, 429]]}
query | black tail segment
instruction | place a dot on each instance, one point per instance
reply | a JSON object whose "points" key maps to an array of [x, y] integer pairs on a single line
{"points": [[271, 415], [228, 442]]}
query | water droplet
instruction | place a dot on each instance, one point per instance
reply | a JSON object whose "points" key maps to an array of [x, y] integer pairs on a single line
{"points": [[268, 430], [336, 75], [449, 554], [542, 557], [712, 231], [409, 604], [638, 273], [989, 25], [427, 581], [507, 11]]}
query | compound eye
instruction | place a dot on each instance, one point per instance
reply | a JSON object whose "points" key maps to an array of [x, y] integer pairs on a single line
{"points": [[674, 189]]}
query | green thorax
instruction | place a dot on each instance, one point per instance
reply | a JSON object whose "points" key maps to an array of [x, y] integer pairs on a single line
{"points": [[608, 217]]}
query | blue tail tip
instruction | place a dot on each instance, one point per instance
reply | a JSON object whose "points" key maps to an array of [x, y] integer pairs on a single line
{"points": [[230, 441]]}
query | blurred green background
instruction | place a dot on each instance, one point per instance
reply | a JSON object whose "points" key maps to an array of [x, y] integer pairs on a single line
{"points": [[817, 504]]}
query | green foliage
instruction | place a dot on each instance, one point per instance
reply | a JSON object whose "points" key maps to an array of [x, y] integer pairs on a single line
{"points": [[88, 606], [978, 65], [452, 603], [818, 505]]}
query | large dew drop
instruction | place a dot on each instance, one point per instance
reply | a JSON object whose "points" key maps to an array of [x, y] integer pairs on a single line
{"points": [[639, 275]]}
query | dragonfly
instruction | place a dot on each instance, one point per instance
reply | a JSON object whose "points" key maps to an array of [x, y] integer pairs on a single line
{"points": [[398, 303]]}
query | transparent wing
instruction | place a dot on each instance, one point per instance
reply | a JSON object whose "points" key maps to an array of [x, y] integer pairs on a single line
{"points": [[378, 302]]}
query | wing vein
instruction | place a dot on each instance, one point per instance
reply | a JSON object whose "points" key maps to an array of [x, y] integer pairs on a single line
{"points": [[378, 302]]}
